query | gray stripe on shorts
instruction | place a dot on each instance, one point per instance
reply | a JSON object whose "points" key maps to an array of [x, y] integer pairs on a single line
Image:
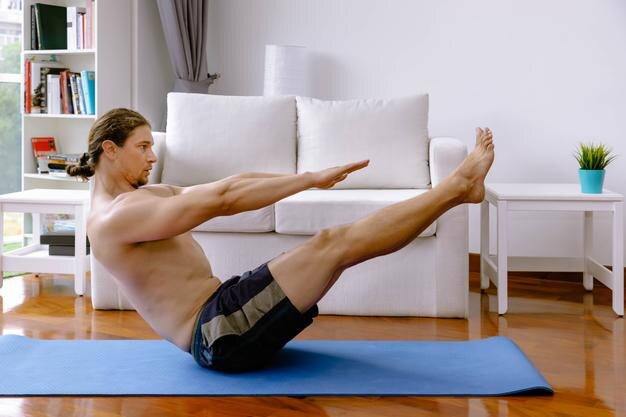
{"points": [[242, 320]]}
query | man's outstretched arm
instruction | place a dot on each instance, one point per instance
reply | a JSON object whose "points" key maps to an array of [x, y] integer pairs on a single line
{"points": [[148, 214], [252, 191]]}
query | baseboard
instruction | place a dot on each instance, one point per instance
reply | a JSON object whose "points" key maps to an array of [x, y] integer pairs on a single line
{"points": [[474, 266]]}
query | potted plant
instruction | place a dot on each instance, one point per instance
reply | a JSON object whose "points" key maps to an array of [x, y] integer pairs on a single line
{"points": [[592, 159]]}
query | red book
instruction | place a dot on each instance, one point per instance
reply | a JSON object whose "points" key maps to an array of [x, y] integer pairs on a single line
{"points": [[27, 92], [64, 97], [43, 146]]}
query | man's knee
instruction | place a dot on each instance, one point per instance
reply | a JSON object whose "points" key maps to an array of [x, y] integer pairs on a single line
{"points": [[330, 239]]}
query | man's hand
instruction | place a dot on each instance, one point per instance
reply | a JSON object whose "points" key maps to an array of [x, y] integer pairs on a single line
{"points": [[331, 176]]}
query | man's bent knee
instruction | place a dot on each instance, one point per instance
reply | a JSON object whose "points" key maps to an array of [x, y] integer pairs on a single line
{"points": [[331, 242]]}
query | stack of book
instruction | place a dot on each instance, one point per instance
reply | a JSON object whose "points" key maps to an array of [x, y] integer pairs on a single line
{"points": [[57, 162], [51, 88], [42, 147], [61, 243], [59, 27]]}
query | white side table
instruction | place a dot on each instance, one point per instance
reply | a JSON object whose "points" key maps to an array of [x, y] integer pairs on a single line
{"points": [[34, 257], [550, 197]]}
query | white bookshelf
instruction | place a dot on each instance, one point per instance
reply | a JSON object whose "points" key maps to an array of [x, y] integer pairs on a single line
{"points": [[110, 58]]}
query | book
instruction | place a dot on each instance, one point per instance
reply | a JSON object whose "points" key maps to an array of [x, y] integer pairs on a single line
{"points": [[53, 93], [50, 21], [27, 90], [43, 145], [71, 158], [74, 90], [57, 172], [81, 94], [34, 45], [74, 27], [89, 24], [45, 71], [37, 87], [65, 98], [88, 79], [59, 162], [62, 250], [61, 238]]}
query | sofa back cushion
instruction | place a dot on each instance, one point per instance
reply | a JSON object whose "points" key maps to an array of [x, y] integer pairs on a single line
{"points": [[210, 137], [392, 134]]}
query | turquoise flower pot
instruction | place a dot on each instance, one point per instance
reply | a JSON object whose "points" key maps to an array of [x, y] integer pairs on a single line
{"points": [[591, 180]]}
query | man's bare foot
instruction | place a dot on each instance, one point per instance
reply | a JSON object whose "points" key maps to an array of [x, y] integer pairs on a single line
{"points": [[470, 175]]}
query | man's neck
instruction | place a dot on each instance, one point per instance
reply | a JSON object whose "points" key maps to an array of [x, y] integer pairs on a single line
{"points": [[110, 185]]}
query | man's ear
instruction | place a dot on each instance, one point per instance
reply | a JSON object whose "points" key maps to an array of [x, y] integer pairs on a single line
{"points": [[109, 149]]}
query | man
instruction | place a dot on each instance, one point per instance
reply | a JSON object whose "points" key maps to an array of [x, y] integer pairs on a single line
{"points": [[141, 234]]}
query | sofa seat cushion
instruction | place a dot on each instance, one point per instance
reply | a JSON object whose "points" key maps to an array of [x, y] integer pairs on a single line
{"points": [[310, 211], [256, 221]]}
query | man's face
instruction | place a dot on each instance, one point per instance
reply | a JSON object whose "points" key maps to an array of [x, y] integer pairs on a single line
{"points": [[136, 156]]}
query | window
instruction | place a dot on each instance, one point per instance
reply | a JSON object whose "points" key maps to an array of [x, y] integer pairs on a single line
{"points": [[10, 79], [10, 120]]}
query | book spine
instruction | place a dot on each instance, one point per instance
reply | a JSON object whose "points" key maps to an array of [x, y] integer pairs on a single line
{"points": [[81, 95], [54, 96], [88, 81], [68, 92], [81, 21], [89, 25], [38, 27], [71, 28], [75, 99], [44, 92], [27, 92], [34, 45], [49, 99], [62, 84]]}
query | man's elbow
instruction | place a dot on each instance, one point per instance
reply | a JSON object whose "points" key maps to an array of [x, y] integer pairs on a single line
{"points": [[224, 197]]}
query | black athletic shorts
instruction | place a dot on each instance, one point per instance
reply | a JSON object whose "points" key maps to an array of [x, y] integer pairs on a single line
{"points": [[245, 322]]}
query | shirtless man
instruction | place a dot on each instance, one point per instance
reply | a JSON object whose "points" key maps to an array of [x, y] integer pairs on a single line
{"points": [[141, 234]]}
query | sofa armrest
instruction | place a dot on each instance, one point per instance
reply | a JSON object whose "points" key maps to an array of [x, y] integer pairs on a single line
{"points": [[159, 150], [444, 155], [452, 253]]}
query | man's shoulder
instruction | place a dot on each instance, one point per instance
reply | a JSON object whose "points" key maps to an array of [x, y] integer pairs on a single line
{"points": [[160, 190], [145, 192]]}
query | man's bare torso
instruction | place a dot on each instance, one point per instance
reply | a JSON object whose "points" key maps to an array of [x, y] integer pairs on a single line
{"points": [[167, 281]]}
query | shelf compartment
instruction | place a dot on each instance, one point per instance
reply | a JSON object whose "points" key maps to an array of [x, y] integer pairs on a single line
{"points": [[59, 116], [35, 258], [53, 178], [31, 52]]}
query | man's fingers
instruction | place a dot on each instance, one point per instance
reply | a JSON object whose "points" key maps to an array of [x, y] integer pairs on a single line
{"points": [[356, 165]]}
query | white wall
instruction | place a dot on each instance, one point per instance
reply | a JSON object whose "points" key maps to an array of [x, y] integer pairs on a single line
{"points": [[543, 75], [153, 76]]}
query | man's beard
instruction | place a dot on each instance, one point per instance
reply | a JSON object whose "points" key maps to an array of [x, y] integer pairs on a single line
{"points": [[139, 183]]}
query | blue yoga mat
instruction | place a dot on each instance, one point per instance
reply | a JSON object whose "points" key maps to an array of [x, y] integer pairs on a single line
{"points": [[488, 367]]}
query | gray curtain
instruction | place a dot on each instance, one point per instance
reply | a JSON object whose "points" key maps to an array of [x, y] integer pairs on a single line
{"points": [[185, 27]]}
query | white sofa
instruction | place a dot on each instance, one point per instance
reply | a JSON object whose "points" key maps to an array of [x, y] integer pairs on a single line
{"points": [[210, 137]]}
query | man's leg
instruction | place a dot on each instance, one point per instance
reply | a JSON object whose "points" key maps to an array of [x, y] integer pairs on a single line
{"points": [[308, 271]]}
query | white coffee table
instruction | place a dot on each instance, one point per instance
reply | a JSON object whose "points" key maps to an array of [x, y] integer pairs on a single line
{"points": [[34, 257], [551, 197]]}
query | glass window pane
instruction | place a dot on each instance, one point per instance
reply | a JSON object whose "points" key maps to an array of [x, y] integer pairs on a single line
{"points": [[10, 35], [10, 137]]}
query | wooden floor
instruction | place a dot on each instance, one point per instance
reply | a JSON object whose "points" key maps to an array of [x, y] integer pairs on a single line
{"points": [[572, 336]]}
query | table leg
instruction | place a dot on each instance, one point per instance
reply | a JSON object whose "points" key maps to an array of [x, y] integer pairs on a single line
{"points": [[502, 257], [36, 228], [587, 248], [1, 242], [618, 258], [80, 250], [484, 243]]}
